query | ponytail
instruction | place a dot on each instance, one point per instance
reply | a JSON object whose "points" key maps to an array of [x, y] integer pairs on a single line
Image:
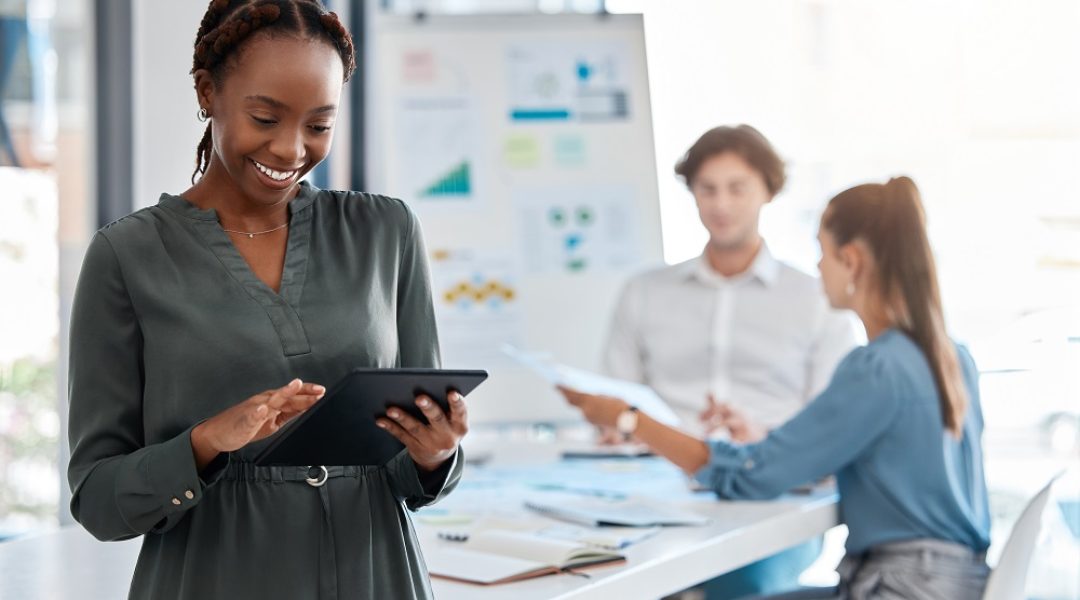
{"points": [[890, 219]]}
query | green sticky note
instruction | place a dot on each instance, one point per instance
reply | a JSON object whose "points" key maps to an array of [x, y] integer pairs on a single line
{"points": [[521, 151]]}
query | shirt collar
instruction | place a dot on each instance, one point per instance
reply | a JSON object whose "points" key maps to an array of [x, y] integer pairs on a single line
{"points": [[180, 205], [765, 269]]}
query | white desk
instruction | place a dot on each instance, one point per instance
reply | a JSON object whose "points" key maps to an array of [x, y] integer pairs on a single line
{"points": [[71, 564]]}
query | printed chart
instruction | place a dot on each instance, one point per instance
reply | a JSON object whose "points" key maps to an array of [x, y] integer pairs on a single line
{"points": [[438, 154], [553, 82], [573, 229], [477, 307]]}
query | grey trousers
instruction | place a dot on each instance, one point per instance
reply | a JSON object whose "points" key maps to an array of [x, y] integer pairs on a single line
{"points": [[912, 570]]}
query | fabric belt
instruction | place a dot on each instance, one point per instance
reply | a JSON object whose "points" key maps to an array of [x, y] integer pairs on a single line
{"points": [[245, 471]]}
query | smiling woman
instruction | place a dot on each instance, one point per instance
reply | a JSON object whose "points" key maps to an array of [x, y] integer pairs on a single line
{"points": [[202, 324]]}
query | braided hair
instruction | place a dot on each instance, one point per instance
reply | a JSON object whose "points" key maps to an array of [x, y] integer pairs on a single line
{"points": [[228, 23]]}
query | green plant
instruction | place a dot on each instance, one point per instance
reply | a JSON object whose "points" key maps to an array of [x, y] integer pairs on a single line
{"points": [[29, 436]]}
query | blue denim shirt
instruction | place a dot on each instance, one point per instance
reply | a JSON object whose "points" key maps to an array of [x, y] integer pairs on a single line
{"points": [[878, 427]]}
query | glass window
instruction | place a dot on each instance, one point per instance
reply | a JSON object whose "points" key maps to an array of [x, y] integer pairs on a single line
{"points": [[44, 62], [970, 100]]}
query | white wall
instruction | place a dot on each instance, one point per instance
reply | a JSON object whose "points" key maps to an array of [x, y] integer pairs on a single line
{"points": [[976, 99], [166, 131]]}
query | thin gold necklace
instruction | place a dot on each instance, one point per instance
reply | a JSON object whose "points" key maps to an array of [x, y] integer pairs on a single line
{"points": [[252, 234]]}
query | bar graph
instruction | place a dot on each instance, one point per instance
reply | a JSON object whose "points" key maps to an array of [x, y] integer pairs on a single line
{"points": [[456, 183]]}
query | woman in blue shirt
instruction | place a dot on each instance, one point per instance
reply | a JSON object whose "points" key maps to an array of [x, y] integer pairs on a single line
{"points": [[899, 424]]}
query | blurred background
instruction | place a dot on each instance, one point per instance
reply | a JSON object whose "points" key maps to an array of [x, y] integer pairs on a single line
{"points": [[978, 101]]}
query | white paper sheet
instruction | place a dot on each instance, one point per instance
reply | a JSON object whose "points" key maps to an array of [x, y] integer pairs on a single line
{"points": [[636, 394]]}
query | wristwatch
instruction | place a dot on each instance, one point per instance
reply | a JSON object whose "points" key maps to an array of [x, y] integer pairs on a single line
{"points": [[627, 421]]}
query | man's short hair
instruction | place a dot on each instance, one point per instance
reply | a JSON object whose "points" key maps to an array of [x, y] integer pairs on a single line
{"points": [[744, 141]]}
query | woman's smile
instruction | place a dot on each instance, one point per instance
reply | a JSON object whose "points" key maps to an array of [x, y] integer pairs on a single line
{"points": [[273, 178]]}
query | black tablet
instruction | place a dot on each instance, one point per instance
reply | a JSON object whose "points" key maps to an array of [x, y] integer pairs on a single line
{"points": [[340, 428]]}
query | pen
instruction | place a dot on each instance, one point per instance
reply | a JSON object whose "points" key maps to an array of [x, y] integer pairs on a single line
{"points": [[454, 536]]}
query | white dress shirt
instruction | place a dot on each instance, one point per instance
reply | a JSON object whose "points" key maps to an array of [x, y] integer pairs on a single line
{"points": [[764, 341]]}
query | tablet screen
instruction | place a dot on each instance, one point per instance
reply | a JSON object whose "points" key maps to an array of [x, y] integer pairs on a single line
{"points": [[340, 428]]}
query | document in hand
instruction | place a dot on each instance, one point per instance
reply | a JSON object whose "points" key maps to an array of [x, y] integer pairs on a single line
{"points": [[636, 394], [600, 512], [498, 556]]}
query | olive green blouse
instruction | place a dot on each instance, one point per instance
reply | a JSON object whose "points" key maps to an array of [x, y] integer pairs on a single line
{"points": [[170, 327]]}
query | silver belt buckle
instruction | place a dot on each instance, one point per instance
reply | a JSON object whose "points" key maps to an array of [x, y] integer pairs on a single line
{"points": [[320, 479]]}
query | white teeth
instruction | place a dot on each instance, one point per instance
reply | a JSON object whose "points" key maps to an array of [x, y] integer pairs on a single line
{"points": [[275, 175]]}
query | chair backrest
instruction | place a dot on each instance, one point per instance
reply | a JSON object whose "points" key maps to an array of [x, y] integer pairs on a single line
{"points": [[1009, 577]]}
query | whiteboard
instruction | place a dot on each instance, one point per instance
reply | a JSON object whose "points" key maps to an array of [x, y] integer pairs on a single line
{"points": [[524, 143]]}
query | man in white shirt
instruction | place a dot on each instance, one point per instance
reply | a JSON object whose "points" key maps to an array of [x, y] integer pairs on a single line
{"points": [[734, 323], [734, 340], [762, 340]]}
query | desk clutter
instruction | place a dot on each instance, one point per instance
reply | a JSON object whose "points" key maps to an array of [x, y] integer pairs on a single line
{"points": [[503, 525], [604, 538], [502, 556], [602, 512]]}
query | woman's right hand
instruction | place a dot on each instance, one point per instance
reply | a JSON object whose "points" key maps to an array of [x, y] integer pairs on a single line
{"points": [[740, 428], [251, 420]]}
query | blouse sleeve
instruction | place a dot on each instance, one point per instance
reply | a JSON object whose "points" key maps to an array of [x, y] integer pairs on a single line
{"points": [[418, 337], [418, 347], [121, 486], [854, 410]]}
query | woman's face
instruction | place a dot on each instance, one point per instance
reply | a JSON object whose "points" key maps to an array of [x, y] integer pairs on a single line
{"points": [[273, 115], [836, 273]]}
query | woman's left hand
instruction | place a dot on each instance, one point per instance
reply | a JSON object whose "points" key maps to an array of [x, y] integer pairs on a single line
{"points": [[432, 444], [598, 410]]}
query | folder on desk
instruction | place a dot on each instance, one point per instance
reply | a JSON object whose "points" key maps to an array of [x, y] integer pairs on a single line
{"points": [[598, 512]]}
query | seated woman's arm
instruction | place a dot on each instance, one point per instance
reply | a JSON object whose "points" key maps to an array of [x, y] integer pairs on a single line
{"points": [[855, 409]]}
